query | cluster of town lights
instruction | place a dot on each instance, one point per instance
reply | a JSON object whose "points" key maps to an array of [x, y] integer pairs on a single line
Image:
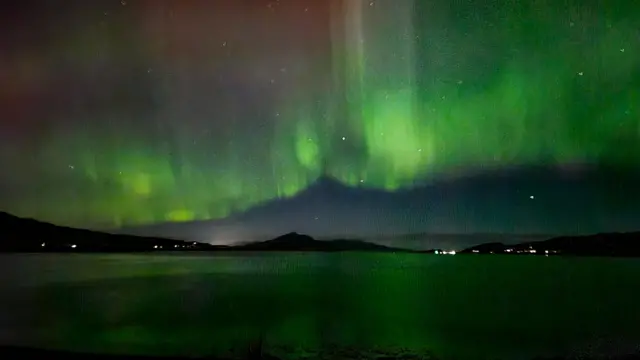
{"points": [[176, 246], [444, 252]]}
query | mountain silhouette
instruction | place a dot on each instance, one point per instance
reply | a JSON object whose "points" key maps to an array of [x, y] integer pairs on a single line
{"points": [[297, 242], [522, 201], [28, 235], [19, 235], [605, 244]]}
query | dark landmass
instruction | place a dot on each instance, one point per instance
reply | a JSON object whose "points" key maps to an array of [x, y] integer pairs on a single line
{"points": [[27, 235], [430, 241], [609, 244], [488, 248], [14, 352], [298, 242]]}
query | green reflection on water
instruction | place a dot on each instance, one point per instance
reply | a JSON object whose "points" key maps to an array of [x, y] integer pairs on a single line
{"points": [[461, 306]]}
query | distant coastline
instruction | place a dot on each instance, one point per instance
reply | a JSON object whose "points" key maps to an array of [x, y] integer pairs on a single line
{"points": [[28, 235]]}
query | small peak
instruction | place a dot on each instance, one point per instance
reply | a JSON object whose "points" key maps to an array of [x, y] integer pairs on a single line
{"points": [[293, 236]]}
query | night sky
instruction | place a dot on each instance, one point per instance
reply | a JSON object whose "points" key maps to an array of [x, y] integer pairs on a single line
{"points": [[334, 118]]}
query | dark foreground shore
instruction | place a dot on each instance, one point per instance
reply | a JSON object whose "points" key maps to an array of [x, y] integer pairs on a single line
{"points": [[254, 352]]}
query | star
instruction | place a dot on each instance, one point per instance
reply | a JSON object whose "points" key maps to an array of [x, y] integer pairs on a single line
{"points": [[206, 126]]}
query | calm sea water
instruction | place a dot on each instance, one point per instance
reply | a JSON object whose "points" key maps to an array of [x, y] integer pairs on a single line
{"points": [[455, 306]]}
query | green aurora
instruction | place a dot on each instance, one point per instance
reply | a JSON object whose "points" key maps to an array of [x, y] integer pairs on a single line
{"points": [[388, 116]]}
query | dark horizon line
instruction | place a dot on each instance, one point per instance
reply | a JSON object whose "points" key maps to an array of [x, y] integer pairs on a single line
{"points": [[365, 238]]}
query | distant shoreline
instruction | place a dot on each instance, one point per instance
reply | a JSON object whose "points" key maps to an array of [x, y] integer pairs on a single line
{"points": [[31, 236]]}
